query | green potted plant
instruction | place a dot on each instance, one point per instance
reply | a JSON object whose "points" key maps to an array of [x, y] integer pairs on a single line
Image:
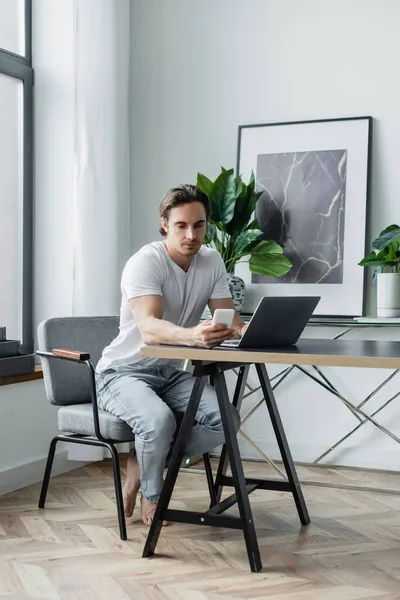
{"points": [[234, 232], [385, 258]]}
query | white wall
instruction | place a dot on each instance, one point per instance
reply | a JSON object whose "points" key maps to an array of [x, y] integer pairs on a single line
{"points": [[54, 144], [82, 209], [28, 422], [201, 68]]}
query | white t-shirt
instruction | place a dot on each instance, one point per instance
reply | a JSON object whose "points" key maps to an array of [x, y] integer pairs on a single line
{"points": [[151, 271]]}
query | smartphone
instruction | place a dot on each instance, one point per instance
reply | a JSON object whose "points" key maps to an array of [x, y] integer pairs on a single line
{"points": [[223, 316]]}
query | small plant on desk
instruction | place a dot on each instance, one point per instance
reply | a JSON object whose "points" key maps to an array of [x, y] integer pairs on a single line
{"points": [[385, 258]]}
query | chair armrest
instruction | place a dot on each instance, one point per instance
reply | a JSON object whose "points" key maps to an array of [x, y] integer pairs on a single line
{"points": [[74, 354], [79, 357], [66, 354]]}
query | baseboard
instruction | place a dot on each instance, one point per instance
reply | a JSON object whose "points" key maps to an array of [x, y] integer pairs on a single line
{"points": [[25, 474], [353, 456]]}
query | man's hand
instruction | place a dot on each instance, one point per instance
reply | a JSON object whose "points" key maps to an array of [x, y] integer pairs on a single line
{"points": [[238, 324], [243, 329], [207, 335]]}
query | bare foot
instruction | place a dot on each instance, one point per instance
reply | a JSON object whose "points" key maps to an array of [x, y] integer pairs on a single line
{"points": [[132, 484], [148, 509]]}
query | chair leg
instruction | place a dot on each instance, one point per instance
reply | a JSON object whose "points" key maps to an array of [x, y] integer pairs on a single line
{"points": [[210, 479], [118, 490], [47, 472]]}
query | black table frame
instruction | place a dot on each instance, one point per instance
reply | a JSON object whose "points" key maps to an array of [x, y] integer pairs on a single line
{"points": [[243, 485]]}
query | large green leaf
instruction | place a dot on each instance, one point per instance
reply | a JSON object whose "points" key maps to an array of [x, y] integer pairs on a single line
{"points": [[267, 247], [219, 225], [239, 186], [211, 239], [239, 220], [254, 224], [244, 208], [222, 197], [391, 251], [388, 257], [267, 258], [211, 234], [245, 239], [204, 184], [387, 236], [370, 260], [275, 265]]}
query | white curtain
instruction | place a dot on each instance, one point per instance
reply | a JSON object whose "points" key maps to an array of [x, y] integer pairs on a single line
{"points": [[101, 217]]}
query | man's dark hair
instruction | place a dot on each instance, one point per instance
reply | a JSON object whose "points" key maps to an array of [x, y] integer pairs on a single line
{"points": [[181, 194]]}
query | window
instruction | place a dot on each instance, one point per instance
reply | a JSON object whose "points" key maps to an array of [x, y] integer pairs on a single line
{"points": [[16, 170]]}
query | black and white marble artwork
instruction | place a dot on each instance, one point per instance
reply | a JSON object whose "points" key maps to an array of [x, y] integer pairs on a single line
{"points": [[303, 208]]}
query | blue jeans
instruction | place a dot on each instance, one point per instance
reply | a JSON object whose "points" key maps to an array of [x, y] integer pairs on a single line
{"points": [[145, 398]]}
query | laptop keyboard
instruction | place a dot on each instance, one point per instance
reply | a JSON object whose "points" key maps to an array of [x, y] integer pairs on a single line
{"points": [[232, 343]]}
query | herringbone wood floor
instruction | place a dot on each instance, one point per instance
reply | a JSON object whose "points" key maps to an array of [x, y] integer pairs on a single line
{"points": [[72, 549]]}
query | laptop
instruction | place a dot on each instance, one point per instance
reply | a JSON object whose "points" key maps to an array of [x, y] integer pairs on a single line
{"points": [[277, 321]]}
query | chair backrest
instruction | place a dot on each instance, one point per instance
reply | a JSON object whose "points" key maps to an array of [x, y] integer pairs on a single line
{"points": [[67, 382]]}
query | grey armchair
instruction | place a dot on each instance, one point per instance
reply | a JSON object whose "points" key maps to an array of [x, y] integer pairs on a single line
{"points": [[69, 379]]}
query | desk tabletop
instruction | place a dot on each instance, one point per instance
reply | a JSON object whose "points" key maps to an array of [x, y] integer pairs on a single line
{"points": [[320, 352]]}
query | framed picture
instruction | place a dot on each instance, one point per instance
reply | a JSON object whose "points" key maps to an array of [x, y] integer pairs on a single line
{"points": [[314, 178]]}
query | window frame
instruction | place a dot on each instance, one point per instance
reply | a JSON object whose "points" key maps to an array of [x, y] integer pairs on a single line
{"points": [[20, 67]]}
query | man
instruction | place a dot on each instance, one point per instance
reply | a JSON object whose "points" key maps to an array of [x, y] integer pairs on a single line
{"points": [[165, 288]]}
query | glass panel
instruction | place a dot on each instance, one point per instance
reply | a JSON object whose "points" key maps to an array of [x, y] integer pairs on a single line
{"points": [[11, 203], [12, 26]]}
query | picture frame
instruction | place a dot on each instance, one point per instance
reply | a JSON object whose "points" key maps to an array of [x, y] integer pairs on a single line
{"points": [[314, 176]]}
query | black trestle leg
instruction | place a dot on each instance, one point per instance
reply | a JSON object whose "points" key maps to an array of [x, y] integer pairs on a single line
{"points": [[237, 402], [175, 462], [239, 480], [283, 443], [210, 479]]}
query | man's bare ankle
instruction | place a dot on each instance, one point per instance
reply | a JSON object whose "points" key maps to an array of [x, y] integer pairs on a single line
{"points": [[131, 486], [148, 509]]}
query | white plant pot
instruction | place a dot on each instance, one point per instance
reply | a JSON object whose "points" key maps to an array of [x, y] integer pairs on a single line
{"points": [[388, 295]]}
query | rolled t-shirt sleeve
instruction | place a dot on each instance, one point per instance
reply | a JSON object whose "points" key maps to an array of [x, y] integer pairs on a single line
{"points": [[141, 276], [221, 287]]}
